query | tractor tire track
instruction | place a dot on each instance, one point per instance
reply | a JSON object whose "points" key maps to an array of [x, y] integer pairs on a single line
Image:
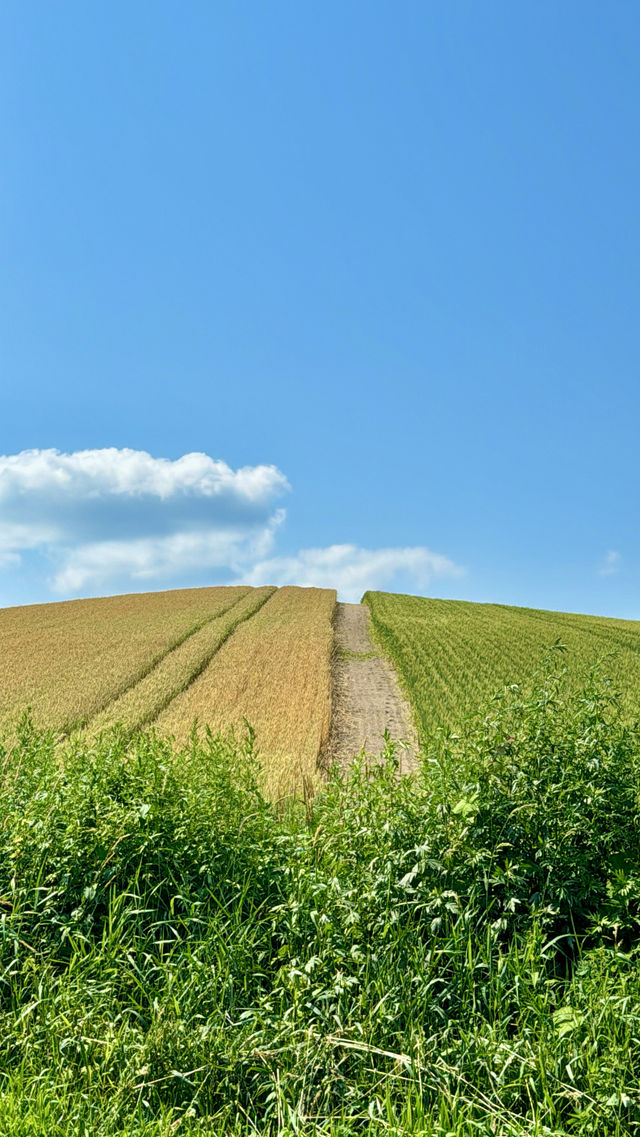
{"points": [[142, 701]]}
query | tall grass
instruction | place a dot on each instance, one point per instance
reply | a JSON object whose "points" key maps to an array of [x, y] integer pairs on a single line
{"points": [[451, 953]]}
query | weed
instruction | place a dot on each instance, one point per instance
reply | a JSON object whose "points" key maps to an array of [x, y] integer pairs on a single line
{"points": [[451, 953]]}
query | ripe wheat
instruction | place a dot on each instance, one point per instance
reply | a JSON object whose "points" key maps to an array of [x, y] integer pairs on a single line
{"points": [[67, 661], [275, 673]]}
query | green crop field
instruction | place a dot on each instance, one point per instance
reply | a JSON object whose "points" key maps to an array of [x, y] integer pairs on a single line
{"points": [[453, 656]]}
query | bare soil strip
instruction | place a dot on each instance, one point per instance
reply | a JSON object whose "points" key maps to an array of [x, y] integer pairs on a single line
{"points": [[366, 697]]}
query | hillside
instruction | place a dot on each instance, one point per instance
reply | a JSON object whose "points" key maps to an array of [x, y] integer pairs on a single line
{"points": [[451, 953], [453, 656], [226, 655], [221, 656], [448, 953], [69, 661]]}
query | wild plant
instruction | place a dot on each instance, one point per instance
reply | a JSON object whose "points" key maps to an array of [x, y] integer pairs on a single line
{"points": [[454, 952]]}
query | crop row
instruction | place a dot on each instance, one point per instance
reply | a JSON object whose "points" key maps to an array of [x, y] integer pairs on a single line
{"points": [[144, 701], [453, 656], [223, 656], [275, 673], [67, 661]]}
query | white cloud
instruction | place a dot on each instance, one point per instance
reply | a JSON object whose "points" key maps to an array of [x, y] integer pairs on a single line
{"points": [[98, 473], [15, 536], [8, 558], [353, 570], [610, 563], [108, 517], [115, 520], [150, 557]]}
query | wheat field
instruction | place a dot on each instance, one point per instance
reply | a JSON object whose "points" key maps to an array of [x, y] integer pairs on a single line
{"points": [[145, 700], [225, 656], [68, 661], [275, 673]]}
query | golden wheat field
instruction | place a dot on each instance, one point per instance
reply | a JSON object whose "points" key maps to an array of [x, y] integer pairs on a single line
{"points": [[275, 672], [68, 661], [222, 656], [143, 701]]}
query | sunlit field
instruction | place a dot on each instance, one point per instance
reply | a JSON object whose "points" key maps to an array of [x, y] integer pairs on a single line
{"points": [[200, 933], [452, 657], [218, 657], [275, 673], [69, 661]]}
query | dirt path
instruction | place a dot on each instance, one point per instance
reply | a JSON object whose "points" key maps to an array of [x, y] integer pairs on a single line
{"points": [[367, 699]]}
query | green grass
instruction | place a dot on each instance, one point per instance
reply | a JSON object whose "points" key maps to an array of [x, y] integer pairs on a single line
{"points": [[451, 953], [452, 656], [346, 654]]}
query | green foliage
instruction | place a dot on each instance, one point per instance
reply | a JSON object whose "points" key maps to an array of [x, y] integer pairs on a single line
{"points": [[452, 953], [452, 656]]}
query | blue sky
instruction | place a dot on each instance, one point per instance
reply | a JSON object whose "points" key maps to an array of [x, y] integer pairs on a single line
{"points": [[377, 264]]}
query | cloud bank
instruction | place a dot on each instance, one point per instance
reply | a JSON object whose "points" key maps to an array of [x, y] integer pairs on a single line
{"points": [[106, 517], [104, 521], [353, 570]]}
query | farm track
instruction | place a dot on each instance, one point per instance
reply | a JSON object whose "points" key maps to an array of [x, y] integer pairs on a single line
{"points": [[144, 699], [366, 695]]}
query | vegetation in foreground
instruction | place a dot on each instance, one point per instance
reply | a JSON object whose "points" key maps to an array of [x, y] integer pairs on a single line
{"points": [[452, 953], [452, 655]]}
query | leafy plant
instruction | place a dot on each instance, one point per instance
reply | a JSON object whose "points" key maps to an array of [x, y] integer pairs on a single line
{"points": [[454, 952]]}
